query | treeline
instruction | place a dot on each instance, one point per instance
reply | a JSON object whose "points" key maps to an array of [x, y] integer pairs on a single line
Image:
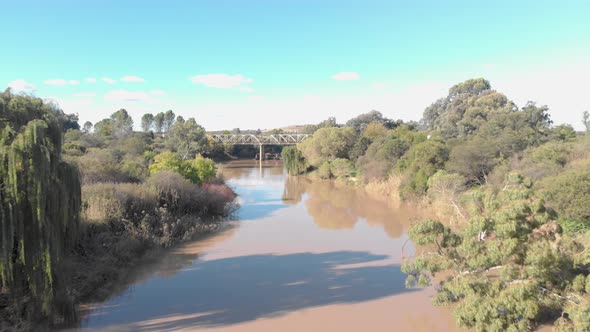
{"points": [[516, 186], [80, 205]]}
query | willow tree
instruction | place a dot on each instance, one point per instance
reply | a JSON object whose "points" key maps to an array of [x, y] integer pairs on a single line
{"points": [[293, 160], [39, 202]]}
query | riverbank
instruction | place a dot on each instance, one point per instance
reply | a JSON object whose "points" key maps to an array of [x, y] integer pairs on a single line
{"points": [[111, 247], [123, 226], [302, 254]]}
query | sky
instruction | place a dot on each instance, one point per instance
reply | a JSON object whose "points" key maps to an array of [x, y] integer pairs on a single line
{"points": [[268, 64]]}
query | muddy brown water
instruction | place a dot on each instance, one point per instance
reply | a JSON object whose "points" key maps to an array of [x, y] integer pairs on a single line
{"points": [[300, 256]]}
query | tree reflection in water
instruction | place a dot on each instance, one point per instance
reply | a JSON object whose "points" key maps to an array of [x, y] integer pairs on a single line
{"points": [[335, 206]]}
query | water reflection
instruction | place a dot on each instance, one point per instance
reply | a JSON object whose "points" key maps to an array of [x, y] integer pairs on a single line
{"points": [[332, 206], [237, 289], [298, 245]]}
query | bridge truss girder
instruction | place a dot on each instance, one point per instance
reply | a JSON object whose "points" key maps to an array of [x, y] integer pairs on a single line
{"points": [[249, 139]]}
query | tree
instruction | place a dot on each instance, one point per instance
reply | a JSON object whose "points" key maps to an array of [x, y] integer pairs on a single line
{"points": [[467, 107], [122, 123], [87, 127], [159, 120], [293, 160], [169, 117], [104, 127], [507, 269], [341, 168], [147, 122], [375, 130], [328, 144], [586, 120], [421, 162], [360, 122], [187, 139], [39, 204], [69, 121], [328, 123]]}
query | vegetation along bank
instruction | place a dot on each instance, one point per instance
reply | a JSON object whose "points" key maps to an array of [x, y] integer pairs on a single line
{"points": [[512, 191], [79, 209]]}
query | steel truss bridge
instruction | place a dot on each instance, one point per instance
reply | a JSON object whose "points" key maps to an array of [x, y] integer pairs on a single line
{"points": [[260, 140]]}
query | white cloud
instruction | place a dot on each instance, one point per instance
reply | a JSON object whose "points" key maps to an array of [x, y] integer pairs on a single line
{"points": [[73, 82], [91, 80], [132, 79], [85, 94], [21, 86], [158, 93], [56, 81], [346, 76], [246, 89], [108, 80], [129, 96], [220, 81]]}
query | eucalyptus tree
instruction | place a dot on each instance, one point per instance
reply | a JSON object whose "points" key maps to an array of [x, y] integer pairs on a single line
{"points": [[159, 120], [147, 122]]}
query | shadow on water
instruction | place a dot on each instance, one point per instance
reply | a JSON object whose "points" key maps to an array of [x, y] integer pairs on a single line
{"points": [[239, 289]]}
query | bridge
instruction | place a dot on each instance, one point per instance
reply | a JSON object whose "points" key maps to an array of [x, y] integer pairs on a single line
{"points": [[260, 140]]}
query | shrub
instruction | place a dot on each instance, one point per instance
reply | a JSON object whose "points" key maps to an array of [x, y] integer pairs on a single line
{"points": [[198, 170], [419, 164], [569, 193], [324, 170], [103, 166], [341, 168]]}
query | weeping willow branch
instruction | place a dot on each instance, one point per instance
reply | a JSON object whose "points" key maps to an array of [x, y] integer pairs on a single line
{"points": [[39, 203]]}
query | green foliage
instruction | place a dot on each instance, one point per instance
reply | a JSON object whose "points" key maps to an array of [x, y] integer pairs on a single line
{"points": [[324, 170], [166, 161], [159, 120], [87, 126], [569, 193], [421, 162], [328, 123], [359, 148], [293, 160], [360, 122], [147, 122], [187, 139], [198, 170], [466, 108], [39, 202], [341, 168], [204, 168], [506, 266], [122, 123], [104, 127], [586, 120], [169, 117], [382, 154], [328, 144]]}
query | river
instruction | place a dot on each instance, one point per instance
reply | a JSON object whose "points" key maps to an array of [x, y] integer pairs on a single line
{"points": [[300, 256]]}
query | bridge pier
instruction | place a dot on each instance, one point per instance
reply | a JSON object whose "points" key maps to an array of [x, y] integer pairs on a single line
{"points": [[261, 153]]}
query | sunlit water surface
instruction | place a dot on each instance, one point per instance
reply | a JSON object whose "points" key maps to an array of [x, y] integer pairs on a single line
{"points": [[301, 256]]}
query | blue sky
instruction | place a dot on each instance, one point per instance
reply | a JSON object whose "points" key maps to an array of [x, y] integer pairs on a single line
{"points": [[265, 64]]}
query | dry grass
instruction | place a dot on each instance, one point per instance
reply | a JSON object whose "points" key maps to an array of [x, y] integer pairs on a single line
{"points": [[386, 190]]}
